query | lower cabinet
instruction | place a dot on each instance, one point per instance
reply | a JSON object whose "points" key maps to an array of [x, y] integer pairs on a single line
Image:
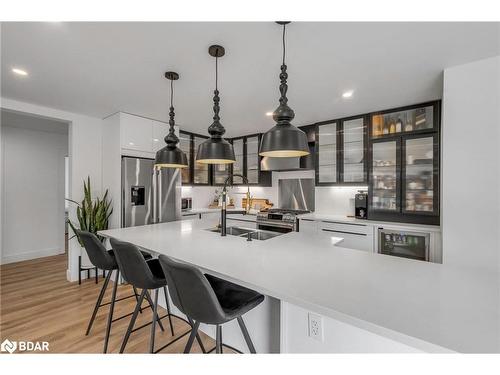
{"points": [[356, 236]]}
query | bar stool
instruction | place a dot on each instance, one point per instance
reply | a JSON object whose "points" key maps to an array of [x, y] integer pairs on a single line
{"points": [[105, 260], [208, 299], [145, 275]]}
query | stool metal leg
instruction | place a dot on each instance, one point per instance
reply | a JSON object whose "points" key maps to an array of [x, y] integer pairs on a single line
{"points": [[168, 310], [218, 339], [153, 323], [198, 338], [150, 301], [194, 333], [96, 276], [246, 335], [132, 321], [111, 309], [137, 297], [98, 303], [79, 270]]}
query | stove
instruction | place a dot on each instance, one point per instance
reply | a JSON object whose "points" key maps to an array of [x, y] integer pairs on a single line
{"points": [[279, 220]]}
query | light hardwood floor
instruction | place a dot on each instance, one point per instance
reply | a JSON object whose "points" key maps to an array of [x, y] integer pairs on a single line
{"points": [[39, 304]]}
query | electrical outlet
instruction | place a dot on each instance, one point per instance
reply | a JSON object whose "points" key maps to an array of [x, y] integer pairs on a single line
{"points": [[315, 327]]}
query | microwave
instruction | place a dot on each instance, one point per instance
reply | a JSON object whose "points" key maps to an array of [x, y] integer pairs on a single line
{"points": [[186, 204]]}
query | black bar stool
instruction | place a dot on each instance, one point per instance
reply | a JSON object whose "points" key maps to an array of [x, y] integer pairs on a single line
{"points": [[145, 275], [105, 260], [208, 299]]}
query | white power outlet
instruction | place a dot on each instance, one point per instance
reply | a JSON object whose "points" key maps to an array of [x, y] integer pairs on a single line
{"points": [[316, 327]]}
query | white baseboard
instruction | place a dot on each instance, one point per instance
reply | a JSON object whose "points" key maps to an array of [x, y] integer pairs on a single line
{"points": [[28, 255]]}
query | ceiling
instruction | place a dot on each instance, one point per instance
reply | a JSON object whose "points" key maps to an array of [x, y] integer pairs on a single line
{"points": [[101, 68], [27, 121]]}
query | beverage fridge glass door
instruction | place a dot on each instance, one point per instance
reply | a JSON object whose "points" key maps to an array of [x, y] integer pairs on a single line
{"points": [[412, 245], [385, 176], [136, 191]]}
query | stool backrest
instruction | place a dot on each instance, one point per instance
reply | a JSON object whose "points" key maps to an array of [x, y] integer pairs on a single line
{"points": [[96, 251], [191, 292], [132, 264]]}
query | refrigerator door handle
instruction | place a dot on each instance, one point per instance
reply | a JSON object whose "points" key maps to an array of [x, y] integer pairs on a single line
{"points": [[153, 196]]}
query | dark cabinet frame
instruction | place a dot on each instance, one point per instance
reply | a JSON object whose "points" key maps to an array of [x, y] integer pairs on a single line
{"points": [[402, 215], [265, 177], [340, 151]]}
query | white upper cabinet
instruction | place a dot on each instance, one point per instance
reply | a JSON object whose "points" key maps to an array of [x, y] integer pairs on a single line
{"points": [[136, 133], [160, 130], [140, 136]]}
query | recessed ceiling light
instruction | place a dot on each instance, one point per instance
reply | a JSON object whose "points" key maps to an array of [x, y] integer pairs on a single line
{"points": [[347, 94], [131, 143], [156, 140], [20, 71], [269, 113]]}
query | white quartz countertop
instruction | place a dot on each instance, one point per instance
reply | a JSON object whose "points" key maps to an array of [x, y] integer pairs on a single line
{"points": [[352, 220], [429, 306]]}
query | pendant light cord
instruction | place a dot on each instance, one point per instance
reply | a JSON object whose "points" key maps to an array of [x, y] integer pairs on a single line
{"points": [[216, 71], [171, 93], [284, 46]]}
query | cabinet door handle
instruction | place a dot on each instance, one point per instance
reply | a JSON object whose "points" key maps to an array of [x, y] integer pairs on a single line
{"points": [[340, 231], [338, 222], [307, 219]]}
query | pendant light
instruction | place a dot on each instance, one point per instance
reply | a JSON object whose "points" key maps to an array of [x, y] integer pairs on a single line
{"points": [[216, 150], [171, 156], [284, 139]]}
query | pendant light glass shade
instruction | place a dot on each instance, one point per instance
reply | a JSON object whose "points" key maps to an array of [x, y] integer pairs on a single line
{"points": [[171, 156], [216, 150], [284, 140]]}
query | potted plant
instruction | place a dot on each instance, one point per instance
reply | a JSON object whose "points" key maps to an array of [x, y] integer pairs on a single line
{"points": [[92, 214]]}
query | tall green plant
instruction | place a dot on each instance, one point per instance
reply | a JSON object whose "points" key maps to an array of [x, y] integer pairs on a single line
{"points": [[92, 214]]}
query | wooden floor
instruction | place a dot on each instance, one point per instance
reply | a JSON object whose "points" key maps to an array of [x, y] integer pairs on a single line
{"points": [[37, 303]]}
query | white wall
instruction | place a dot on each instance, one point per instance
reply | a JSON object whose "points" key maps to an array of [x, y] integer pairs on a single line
{"points": [[33, 193], [85, 159], [470, 164]]}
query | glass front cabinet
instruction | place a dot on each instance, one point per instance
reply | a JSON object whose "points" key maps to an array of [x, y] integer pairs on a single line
{"points": [[341, 152], [404, 164], [246, 151]]}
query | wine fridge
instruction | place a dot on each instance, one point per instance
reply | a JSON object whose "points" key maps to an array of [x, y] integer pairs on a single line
{"points": [[404, 244]]}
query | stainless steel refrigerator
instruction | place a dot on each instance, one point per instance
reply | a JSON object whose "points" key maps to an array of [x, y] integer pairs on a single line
{"points": [[149, 196]]}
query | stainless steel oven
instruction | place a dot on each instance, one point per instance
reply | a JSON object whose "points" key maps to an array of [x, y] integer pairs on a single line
{"points": [[404, 244]]}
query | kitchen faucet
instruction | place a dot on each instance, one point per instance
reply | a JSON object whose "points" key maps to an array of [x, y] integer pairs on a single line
{"points": [[223, 212]]}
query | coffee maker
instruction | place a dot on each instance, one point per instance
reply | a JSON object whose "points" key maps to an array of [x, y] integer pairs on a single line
{"points": [[361, 205]]}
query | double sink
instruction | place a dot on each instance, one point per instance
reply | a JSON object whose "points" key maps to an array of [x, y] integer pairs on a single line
{"points": [[248, 233]]}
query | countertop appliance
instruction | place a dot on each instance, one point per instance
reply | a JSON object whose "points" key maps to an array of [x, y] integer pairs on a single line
{"points": [[361, 205], [148, 195], [186, 204], [295, 197], [405, 244]]}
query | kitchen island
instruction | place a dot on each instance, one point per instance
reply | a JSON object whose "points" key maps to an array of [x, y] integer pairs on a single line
{"points": [[388, 303]]}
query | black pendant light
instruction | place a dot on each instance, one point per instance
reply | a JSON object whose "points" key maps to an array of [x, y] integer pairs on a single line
{"points": [[284, 139], [171, 156], [216, 150]]}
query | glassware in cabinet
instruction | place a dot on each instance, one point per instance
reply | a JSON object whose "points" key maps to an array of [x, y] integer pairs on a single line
{"points": [[419, 174], [384, 176], [327, 153]]}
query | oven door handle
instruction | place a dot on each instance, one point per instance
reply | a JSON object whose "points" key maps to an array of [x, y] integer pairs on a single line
{"points": [[274, 224]]}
